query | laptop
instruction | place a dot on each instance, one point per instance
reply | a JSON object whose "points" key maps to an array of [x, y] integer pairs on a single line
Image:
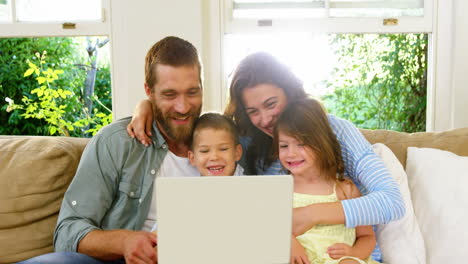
{"points": [[224, 219]]}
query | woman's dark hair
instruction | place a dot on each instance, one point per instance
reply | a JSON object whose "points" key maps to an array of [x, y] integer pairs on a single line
{"points": [[259, 68], [307, 122]]}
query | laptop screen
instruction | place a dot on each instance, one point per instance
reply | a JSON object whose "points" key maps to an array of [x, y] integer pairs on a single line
{"points": [[224, 219]]}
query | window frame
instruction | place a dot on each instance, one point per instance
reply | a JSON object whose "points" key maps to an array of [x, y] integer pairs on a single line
{"points": [[13, 28], [330, 25]]}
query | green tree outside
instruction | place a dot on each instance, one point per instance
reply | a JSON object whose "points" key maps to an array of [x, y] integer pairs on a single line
{"points": [[65, 54], [381, 80]]}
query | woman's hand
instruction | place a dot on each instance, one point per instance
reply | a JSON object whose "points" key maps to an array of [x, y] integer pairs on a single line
{"points": [[298, 255], [141, 124], [302, 220], [339, 250]]}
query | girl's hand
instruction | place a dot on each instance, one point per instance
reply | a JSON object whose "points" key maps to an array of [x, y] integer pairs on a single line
{"points": [[298, 255], [339, 250], [142, 120]]}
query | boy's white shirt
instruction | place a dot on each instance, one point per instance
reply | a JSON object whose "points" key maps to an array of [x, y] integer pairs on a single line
{"points": [[239, 171]]}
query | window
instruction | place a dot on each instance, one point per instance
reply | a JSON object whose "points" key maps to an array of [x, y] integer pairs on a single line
{"points": [[315, 38], [54, 17], [44, 10], [55, 67]]}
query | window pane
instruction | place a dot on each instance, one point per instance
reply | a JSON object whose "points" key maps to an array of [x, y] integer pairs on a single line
{"points": [[303, 53], [278, 8], [58, 10], [354, 75], [317, 8], [376, 8], [376, 12], [5, 15], [67, 81]]}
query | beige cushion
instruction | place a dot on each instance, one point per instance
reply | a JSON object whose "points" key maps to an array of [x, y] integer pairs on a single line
{"points": [[35, 173], [455, 141]]}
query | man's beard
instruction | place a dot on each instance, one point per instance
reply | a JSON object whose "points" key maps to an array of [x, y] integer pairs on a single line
{"points": [[178, 133]]}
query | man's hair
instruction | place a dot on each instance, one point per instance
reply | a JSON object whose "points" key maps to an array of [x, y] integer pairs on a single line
{"points": [[172, 51], [306, 121], [215, 121]]}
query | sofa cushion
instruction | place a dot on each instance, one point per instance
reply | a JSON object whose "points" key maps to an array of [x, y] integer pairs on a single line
{"points": [[35, 173], [455, 141], [438, 181], [400, 241]]}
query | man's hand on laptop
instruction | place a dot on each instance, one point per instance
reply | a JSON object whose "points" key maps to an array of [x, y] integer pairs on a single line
{"points": [[139, 248]]}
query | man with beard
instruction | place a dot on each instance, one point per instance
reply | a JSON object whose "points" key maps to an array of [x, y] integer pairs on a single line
{"points": [[109, 208]]}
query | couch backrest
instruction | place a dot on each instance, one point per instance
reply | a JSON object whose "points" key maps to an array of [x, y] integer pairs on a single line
{"points": [[34, 174], [455, 141], [36, 171]]}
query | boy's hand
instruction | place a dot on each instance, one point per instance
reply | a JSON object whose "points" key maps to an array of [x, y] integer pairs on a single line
{"points": [[339, 250], [298, 255]]}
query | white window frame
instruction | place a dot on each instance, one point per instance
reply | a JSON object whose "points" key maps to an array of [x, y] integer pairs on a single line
{"points": [[56, 29], [330, 24]]}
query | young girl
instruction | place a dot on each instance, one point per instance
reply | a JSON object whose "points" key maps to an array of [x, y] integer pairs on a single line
{"points": [[308, 149]]}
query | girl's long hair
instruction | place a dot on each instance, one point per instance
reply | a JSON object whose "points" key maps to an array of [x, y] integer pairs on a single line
{"points": [[307, 122]]}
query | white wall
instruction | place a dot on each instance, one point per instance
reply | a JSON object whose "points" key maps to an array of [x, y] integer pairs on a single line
{"points": [[135, 27], [450, 94], [460, 65]]}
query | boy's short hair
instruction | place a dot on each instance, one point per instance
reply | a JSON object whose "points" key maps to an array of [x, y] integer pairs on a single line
{"points": [[218, 122]]}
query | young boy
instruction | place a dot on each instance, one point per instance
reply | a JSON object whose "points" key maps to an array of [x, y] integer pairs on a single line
{"points": [[215, 147]]}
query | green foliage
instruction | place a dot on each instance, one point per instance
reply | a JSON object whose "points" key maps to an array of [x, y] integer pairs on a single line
{"points": [[51, 103], [381, 82], [14, 52], [65, 54]]}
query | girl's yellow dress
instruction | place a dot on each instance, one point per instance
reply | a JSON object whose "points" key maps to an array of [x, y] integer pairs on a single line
{"points": [[317, 239]]}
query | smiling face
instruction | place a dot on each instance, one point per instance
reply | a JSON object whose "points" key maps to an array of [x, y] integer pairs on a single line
{"points": [[214, 152], [296, 157], [263, 105], [177, 98]]}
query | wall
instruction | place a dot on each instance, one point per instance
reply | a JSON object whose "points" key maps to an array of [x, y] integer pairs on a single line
{"points": [[450, 93], [460, 65]]}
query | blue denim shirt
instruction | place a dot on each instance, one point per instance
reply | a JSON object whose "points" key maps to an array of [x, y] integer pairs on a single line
{"points": [[113, 185]]}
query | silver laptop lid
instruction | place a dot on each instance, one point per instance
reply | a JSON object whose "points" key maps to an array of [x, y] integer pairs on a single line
{"points": [[224, 219]]}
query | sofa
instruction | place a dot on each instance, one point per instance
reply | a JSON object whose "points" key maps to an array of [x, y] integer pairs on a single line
{"points": [[35, 171]]}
